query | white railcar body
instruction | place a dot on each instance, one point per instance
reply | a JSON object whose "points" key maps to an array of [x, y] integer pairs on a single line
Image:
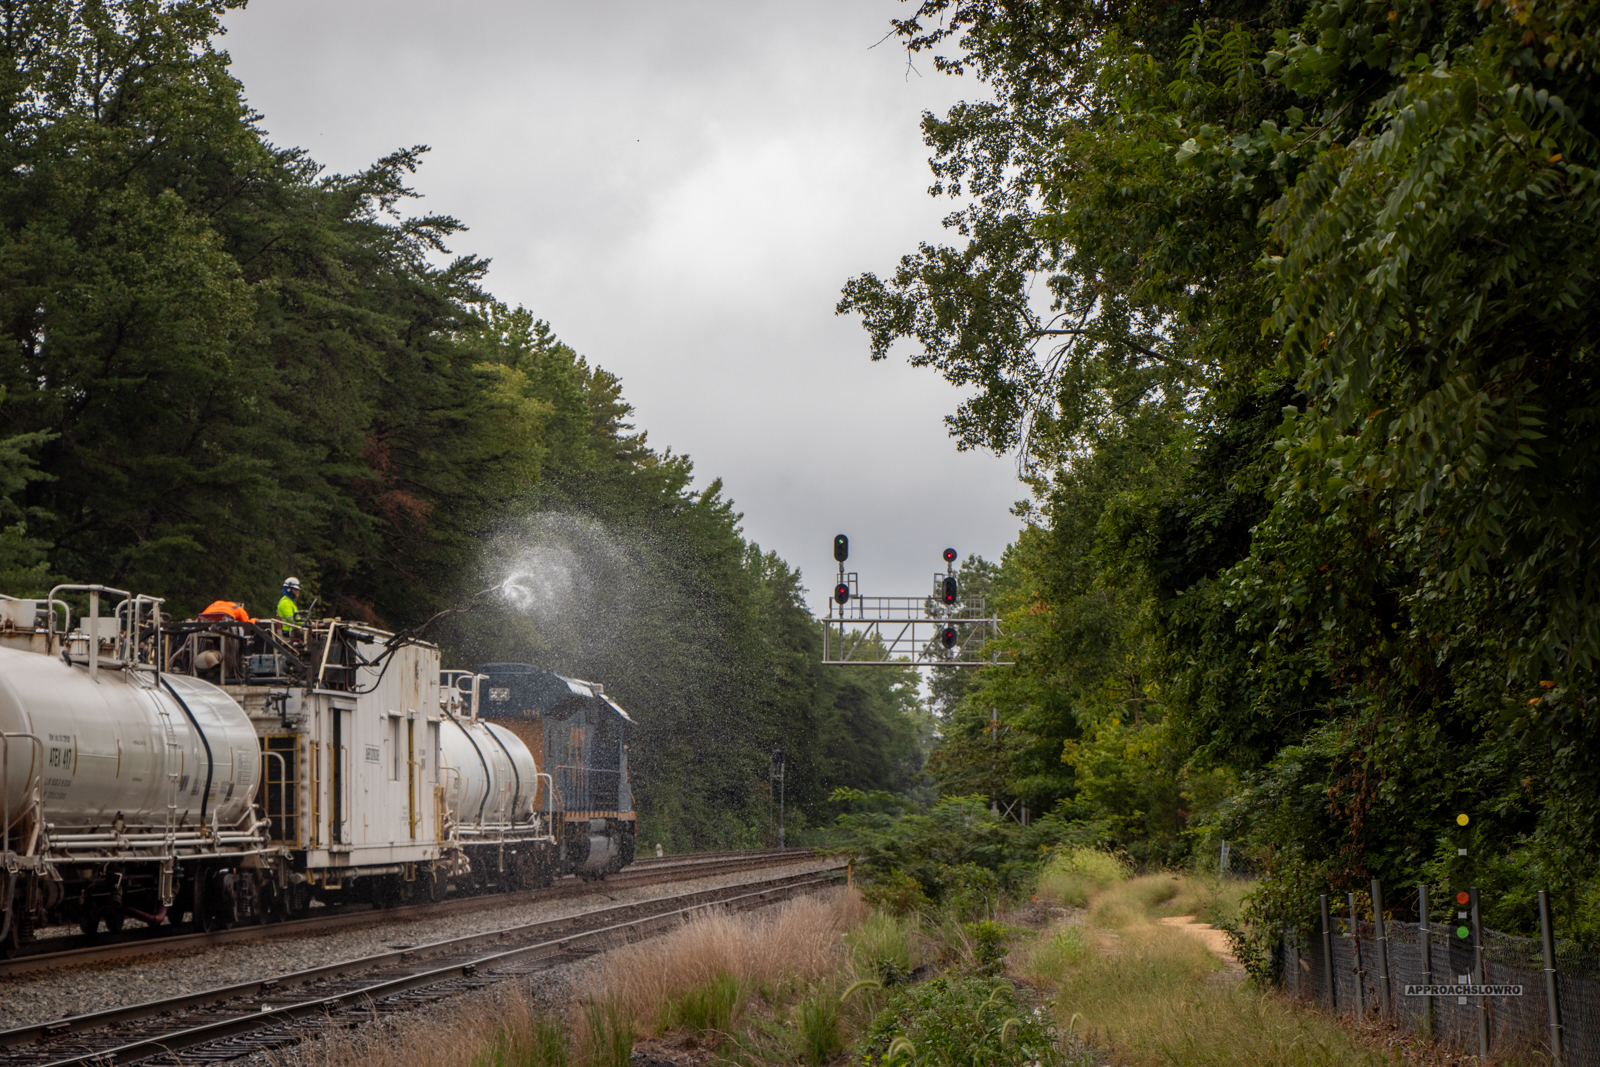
{"points": [[133, 751]]}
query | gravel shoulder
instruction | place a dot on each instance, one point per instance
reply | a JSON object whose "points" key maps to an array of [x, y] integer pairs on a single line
{"points": [[48, 995]]}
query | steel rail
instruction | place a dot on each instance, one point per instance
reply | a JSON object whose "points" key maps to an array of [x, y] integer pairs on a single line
{"points": [[644, 871], [601, 925]]}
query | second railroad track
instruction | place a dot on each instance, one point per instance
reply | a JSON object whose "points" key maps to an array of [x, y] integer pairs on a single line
{"points": [[53, 953], [227, 1022]]}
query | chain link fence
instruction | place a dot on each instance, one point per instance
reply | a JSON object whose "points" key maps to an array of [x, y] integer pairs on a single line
{"points": [[1371, 964]]}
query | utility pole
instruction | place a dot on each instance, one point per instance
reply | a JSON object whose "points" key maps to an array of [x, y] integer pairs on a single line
{"points": [[775, 774]]}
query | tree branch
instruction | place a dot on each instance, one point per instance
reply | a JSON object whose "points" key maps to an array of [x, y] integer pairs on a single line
{"points": [[1168, 360]]}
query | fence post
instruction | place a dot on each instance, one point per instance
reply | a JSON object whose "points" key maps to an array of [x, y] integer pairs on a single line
{"points": [[1383, 949], [1355, 959], [1548, 943], [1327, 954], [1478, 976], [1427, 960]]}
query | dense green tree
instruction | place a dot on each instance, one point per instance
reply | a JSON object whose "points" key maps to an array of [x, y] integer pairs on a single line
{"points": [[1320, 275]]}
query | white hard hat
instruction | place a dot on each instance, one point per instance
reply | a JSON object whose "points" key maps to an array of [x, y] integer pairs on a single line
{"points": [[291, 583]]}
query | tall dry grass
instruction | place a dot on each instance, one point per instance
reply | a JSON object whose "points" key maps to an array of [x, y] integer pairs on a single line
{"points": [[783, 948], [503, 1027], [628, 991]]}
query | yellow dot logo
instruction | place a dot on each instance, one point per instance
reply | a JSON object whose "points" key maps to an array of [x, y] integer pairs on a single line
{"points": [[1462, 820]]}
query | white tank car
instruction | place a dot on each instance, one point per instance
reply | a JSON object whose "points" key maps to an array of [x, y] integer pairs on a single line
{"points": [[490, 777], [123, 753], [122, 787]]}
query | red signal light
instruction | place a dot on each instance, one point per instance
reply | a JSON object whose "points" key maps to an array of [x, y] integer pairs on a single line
{"points": [[947, 636], [841, 593], [950, 555], [947, 591]]}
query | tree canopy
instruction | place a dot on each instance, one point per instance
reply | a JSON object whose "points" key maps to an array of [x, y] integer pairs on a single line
{"points": [[1289, 310]]}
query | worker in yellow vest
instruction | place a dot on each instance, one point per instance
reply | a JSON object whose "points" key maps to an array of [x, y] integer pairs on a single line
{"points": [[289, 604]]}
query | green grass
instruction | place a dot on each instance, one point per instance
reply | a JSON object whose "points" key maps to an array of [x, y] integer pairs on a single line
{"points": [[818, 1034], [883, 947], [608, 1035], [707, 1009], [1208, 897], [1050, 956], [1146, 995], [1073, 875], [541, 1043]]}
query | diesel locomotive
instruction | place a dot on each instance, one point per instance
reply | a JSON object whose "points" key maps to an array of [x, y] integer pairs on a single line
{"points": [[221, 769]]}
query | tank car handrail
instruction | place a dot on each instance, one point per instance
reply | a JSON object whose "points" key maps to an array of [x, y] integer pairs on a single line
{"points": [[5, 772], [50, 597], [451, 679], [549, 794]]}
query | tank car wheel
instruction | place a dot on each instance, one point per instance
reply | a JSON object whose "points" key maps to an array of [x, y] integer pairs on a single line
{"points": [[212, 909], [297, 901]]}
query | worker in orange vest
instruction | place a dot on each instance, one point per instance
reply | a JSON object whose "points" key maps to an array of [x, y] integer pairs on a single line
{"points": [[220, 609]]}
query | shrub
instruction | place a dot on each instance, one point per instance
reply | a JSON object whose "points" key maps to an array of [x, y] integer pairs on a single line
{"points": [[960, 1022], [895, 892], [882, 948], [1073, 874], [988, 946]]}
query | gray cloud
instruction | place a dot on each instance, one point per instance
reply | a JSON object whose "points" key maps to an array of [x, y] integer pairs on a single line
{"points": [[680, 189]]}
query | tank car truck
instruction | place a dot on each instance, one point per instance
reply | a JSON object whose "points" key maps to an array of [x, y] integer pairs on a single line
{"points": [[581, 738]]}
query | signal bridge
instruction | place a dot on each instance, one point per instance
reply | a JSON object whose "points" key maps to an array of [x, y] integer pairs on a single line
{"points": [[943, 629]]}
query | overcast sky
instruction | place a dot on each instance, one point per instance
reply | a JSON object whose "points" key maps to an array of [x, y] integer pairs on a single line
{"points": [[680, 189]]}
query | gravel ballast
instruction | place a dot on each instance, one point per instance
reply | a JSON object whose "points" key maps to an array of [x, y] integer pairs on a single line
{"points": [[49, 995]]}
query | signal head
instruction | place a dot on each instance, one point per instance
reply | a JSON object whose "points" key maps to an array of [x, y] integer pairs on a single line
{"points": [[841, 547], [841, 593], [950, 555], [947, 636], [947, 590]]}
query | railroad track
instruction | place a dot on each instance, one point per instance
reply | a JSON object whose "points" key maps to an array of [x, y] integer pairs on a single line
{"points": [[649, 870], [228, 1022]]}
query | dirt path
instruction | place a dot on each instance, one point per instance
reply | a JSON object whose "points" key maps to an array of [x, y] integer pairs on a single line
{"points": [[1210, 936]]}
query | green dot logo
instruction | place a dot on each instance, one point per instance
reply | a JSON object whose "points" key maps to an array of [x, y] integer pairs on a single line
{"points": [[1462, 931]]}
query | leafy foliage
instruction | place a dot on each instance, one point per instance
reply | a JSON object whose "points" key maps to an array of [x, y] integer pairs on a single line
{"points": [[959, 1021], [1288, 307]]}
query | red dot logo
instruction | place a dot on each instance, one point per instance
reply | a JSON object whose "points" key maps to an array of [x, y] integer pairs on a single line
{"points": [[1462, 898]]}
